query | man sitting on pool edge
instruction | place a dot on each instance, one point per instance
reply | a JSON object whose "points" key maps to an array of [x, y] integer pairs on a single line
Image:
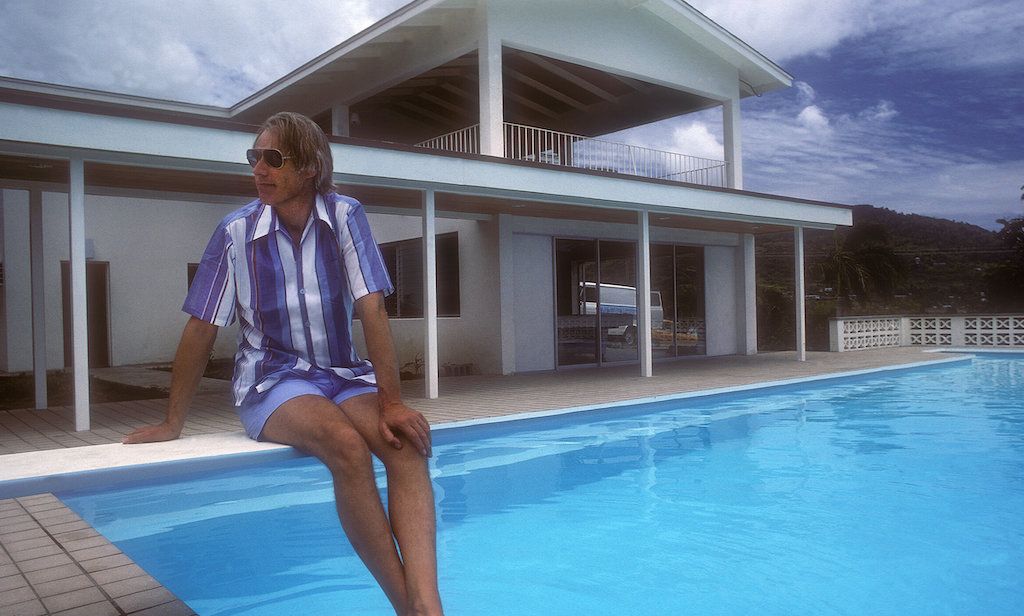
{"points": [[292, 266]]}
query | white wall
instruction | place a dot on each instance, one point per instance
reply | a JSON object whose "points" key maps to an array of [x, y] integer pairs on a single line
{"points": [[534, 307], [148, 272], [596, 37], [474, 336], [720, 280]]}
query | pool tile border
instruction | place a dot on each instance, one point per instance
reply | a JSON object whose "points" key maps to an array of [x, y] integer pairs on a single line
{"points": [[53, 562]]}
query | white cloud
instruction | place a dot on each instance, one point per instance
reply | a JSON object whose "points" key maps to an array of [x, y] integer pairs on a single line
{"points": [[935, 33], [805, 93], [813, 118], [786, 29], [696, 139], [194, 50], [870, 157]]}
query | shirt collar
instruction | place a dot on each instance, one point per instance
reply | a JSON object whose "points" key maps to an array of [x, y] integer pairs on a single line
{"points": [[267, 219]]}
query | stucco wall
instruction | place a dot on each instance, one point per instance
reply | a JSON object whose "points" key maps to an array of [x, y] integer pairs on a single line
{"points": [[147, 275], [473, 336], [720, 306], [534, 303]]}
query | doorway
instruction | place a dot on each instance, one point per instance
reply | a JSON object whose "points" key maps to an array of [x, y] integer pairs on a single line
{"points": [[97, 294]]}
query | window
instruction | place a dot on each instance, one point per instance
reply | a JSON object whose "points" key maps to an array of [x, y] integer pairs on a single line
{"points": [[404, 261]]}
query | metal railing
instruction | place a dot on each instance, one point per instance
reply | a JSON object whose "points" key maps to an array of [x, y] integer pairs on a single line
{"points": [[992, 331], [466, 141], [565, 149]]}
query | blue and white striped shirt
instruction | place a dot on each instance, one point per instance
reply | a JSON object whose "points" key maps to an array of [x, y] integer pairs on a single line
{"points": [[294, 303]]}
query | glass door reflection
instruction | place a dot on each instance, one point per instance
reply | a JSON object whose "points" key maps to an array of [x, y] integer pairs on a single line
{"points": [[617, 300], [576, 264]]}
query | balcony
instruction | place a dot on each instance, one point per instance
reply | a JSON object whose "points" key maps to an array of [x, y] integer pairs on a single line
{"points": [[568, 150]]}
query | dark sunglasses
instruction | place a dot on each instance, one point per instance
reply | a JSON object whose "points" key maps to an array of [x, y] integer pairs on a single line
{"points": [[274, 158]]}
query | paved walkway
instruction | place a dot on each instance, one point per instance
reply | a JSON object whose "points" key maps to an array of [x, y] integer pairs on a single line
{"points": [[51, 562]]}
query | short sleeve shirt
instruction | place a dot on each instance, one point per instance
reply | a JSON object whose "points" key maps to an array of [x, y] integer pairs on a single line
{"points": [[294, 303]]}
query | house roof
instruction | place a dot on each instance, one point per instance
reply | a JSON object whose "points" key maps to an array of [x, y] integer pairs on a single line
{"points": [[437, 89], [420, 99]]}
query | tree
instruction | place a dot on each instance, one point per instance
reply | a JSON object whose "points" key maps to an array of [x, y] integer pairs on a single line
{"points": [[865, 263], [1005, 281]]}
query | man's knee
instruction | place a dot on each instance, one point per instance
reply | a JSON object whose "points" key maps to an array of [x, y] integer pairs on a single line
{"points": [[342, 448]]}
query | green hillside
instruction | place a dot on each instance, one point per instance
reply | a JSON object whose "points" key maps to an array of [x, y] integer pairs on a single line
{"points": [[940, 266]]}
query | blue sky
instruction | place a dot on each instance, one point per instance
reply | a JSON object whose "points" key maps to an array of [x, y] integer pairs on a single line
{"points": [[913, 105]]}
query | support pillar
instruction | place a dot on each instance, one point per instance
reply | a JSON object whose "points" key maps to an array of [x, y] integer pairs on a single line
{"points": [[35, 226], [798, 294], [492, 111], [731, 138], [506, 292], [643, 290], [749, 296], [79, 322], [430, 365], [340, 121]]}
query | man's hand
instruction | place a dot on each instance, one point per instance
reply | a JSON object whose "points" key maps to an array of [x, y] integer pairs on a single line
{"points": [[153, 434], [395, 417]]}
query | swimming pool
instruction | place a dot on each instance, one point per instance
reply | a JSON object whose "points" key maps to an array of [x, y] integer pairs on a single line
{"points": [[893, 494]]}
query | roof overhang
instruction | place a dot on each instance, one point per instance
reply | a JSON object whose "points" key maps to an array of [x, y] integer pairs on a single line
{"points": [[481, 183]]}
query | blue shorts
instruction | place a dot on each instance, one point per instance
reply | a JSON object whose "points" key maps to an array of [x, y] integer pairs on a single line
{"points": [[257, 408]]}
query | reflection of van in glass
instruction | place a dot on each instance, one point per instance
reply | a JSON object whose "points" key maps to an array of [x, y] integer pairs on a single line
{"points": [[618, 308]]}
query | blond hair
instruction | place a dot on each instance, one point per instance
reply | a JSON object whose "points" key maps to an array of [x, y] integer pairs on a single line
{"points": [[301, 138]]}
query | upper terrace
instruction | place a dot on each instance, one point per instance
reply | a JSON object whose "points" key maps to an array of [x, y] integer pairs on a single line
{"points": [[520, 79], [533, 80]]}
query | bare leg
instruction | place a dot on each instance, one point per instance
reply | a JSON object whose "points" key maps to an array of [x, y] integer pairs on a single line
{"points": [[410, 505], [314, 425]]}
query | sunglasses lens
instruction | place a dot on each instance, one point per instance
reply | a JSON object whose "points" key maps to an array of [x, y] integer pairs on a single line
{"points": [[273, 158]]}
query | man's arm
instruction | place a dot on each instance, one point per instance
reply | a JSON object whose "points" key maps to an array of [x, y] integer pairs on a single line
{"points": [[189, 364], [395, 416]]}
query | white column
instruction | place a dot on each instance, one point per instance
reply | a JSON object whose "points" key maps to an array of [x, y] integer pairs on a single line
{"points": [[492, 112], [506, 294], [798, 293], [749, 296], [643, 290], [35, 227], [430, 366], [79, 322], [340, 121], [733, 149]]}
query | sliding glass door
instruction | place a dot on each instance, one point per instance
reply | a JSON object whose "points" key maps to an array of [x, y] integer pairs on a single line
{"points": [[595, 297], [576, 265], [596, 301], [617, 300], [677, 300]]}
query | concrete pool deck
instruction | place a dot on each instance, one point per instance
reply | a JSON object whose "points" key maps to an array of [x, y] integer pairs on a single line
{"points": [[51, 562]]}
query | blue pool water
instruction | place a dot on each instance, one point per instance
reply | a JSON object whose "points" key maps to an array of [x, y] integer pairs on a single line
{"points": [[895, 494]]}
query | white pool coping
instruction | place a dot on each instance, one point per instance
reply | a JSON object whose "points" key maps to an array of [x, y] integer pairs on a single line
{"points": [[57, 469]]}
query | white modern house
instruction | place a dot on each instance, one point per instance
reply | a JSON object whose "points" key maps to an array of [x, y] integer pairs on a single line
{"points": [[474, 124]]}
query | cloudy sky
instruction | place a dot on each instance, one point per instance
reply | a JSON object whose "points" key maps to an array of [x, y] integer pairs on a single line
{"points": [[913, 105]]}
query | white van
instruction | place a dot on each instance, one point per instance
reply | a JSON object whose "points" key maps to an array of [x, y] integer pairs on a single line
{"points": [[618, 308]]}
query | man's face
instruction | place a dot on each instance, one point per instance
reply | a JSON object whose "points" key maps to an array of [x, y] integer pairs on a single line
{"points": [[279, 187]]}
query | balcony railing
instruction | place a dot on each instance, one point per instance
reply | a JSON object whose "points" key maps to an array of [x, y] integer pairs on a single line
{"points": [[556, 148]]}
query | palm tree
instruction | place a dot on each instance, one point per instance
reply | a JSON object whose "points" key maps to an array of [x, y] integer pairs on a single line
{"points": [[863, 263]]}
